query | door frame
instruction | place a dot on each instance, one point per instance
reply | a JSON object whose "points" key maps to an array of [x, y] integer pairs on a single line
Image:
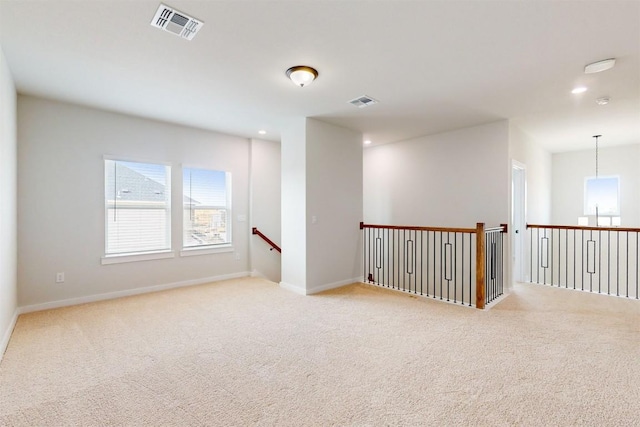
{"points": [[518, 220]]}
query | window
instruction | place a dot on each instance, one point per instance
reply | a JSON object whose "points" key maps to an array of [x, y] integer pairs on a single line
{"points": [[602, 192], [207, 207], [138, 207]]}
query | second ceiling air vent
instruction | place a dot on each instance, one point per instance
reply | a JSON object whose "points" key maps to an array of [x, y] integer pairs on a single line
{"points": [[363, 101], [178, 23]]}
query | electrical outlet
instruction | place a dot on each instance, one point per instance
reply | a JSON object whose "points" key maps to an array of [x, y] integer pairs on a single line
{"points": [[237, 256], [59, 277]]}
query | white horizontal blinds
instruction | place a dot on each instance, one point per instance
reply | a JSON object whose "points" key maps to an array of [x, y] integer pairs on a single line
{"points": [[137, 205], [207, 207]]}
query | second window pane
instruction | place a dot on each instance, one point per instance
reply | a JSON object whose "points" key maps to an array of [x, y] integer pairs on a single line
{"points": [[207, 207]]}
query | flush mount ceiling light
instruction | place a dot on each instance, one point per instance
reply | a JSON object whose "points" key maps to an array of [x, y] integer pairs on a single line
{"points": [[600, 66], [579, 89], [302, 75], [603, 101]]}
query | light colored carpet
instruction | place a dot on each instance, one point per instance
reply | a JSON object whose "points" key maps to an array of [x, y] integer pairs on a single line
{"points": [[245, 352]]}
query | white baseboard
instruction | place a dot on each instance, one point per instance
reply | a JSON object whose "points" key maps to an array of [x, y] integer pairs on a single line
{"points": [[126, 293], [320, 288], [256, 273], [7, 334], [326, 287], [293, 288]]}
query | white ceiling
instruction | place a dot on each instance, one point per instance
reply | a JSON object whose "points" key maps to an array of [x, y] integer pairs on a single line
{"points": [[434, 65]]}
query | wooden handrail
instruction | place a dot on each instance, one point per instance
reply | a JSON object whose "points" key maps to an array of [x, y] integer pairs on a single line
{"points": [[417, 228], [501, 227], [255, 230], [579, 227]]}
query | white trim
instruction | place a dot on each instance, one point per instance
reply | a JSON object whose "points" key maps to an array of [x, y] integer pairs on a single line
{"points": [[326, 287], [256, 273], [149, 256], [206, 250], [320, 288], [7, 334], [128, 292], [293, 288], [118, 158]]}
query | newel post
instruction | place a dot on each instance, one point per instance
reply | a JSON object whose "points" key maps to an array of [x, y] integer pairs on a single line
{"points": [[480, 256]]}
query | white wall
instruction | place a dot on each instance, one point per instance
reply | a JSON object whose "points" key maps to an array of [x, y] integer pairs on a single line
{"points": [[265, 207], [571, 168], [321, 206], [294, 205], [453, 179], [334, 201], [537, 162], [61, 199], [8, 185]]}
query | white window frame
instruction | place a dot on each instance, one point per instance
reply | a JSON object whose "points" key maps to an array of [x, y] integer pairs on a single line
{"points": [[143, 255], [213, 248], [587, 210]]}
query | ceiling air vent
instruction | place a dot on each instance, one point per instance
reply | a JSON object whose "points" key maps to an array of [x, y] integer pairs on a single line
{"points": [[363, 101], [176, 22]]}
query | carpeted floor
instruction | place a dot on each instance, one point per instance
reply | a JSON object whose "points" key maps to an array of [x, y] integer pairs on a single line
{"points": [[245, 352]]}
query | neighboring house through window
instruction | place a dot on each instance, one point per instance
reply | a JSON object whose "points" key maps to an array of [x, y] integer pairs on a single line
{"points": [[137, 207]]}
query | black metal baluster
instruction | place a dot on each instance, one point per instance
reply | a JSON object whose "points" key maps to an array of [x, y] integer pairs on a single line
{"points": [[575, 277], [599, 260], [427, 272], [591, 271], [434, 249], [551, 256], [531, 254], [421, 259], [462, 268], [455, 267], [566, 258], [608, 263], [627, 280], [441, 267], [388, 256], [582, 257], [470, 265], [368, 231], [617, 263], [502, 237], [364, 255], [538, 248]]}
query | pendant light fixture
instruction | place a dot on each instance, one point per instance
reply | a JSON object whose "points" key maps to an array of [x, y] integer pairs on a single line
{"points": [[302, 75]]}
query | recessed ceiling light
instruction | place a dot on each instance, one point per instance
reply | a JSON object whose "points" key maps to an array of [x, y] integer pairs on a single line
{"points": [[262, 132], [579, 89], [367, 142], [596, 67]]}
